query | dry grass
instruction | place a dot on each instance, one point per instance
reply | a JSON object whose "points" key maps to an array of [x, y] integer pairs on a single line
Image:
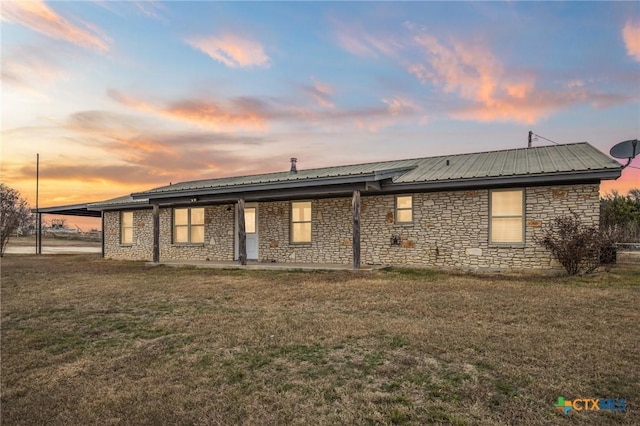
{"points": [[88, 341]]}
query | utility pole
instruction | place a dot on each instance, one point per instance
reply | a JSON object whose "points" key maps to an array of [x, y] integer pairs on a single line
{"points": [[530, 137]]}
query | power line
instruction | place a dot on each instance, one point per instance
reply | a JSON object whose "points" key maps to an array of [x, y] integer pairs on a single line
{"points": [[546, 139]]}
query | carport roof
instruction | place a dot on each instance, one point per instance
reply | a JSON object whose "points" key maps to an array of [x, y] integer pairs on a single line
{"points": [[94, 209], [69, 210]]}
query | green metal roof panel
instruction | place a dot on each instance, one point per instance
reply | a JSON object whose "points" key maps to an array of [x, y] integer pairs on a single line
{"points": [[578, 160], [301, 175], [514, 162], [577, 157], [126, 200]]}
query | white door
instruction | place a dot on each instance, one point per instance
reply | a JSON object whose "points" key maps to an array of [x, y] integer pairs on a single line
{"points": [[251, 229]]}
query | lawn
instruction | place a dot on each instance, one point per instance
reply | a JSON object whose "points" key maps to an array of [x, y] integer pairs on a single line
{"points": [[89, 341]]}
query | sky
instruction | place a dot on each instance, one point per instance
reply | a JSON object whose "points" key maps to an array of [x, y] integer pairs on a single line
{"points": [[119, 97]]}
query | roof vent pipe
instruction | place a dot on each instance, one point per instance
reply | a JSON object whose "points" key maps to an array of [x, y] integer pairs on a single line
{"points": [[293, 165], [447, 162]]}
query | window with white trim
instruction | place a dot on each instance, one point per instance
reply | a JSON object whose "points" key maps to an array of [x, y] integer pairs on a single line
{"points": [[404, 209], [506, 216], [188, 225], [126, 227], [301, 221]]}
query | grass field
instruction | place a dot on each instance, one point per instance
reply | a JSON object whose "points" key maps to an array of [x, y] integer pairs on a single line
{"points": [[88, 341]]}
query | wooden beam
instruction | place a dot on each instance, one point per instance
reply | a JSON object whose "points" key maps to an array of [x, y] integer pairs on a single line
{"points": [[242, 234], [156, 233], [355, 204]]}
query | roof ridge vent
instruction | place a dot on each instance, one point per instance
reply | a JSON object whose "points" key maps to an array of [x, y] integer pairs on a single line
{"points": [[294, 169]]}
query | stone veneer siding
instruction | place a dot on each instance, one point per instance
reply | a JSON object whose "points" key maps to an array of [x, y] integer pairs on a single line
{"points": [[218, 236], [450, 229], [142, 246]]}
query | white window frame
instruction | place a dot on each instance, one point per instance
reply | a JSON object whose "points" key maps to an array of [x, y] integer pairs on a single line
{"points": [[122, 228], [292, 222], [411, 209], [188, 226], [520, 216]]}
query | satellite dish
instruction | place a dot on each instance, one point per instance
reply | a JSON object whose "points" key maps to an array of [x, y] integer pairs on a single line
{"points": [[627, 149]]}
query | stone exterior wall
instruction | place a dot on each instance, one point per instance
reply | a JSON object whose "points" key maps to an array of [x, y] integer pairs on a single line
{"points": [[450, 230], [142, 246], [218, 237], [331, 232]]}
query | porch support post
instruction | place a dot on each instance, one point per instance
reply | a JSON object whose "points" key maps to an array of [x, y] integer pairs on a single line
{"points": [[156, 233], [102, 233], [242, 234], [39, 236], [355, 204]]}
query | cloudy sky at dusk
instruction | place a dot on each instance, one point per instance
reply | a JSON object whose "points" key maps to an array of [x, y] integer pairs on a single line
{"points": [[119, 97]]}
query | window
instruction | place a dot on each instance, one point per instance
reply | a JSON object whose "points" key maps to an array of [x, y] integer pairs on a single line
{"points": [[404, 209], [250, 220], [188, 225], [506, 216], [126, 227], [301, 222]]}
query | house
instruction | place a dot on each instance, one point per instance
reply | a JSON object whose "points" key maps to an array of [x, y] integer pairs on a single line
{"points": [[473, 211]]}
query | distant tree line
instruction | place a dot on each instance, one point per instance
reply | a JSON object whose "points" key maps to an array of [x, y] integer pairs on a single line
{"points": [[620, 216]]}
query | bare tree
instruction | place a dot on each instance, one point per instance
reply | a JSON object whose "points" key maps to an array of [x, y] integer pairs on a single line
{"points": [[14, 214]]}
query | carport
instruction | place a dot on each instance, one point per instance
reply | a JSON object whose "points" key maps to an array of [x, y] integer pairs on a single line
{"points": [[68, 210]]}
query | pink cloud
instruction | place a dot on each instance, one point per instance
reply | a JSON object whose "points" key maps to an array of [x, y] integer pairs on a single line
{"points": [[28, 66], [631, 37], [471, 71], [232, 50], [480, 86], [526, 110], [321, 93], [216, 115], [474, 73], [36, 15], [257, 114], [354, 39], [401, 106]]}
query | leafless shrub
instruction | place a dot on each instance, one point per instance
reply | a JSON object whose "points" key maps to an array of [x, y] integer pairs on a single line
{"points": [[578, 247]]}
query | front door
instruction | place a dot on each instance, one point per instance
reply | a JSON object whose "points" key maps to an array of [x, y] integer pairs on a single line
{"points": [[251, 229]]}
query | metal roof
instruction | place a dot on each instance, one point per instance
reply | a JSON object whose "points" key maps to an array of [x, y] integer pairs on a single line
{"points": [[578, 162], [577, 157], [368, 169], [537, 161], [68, 210], [125, 201]]}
